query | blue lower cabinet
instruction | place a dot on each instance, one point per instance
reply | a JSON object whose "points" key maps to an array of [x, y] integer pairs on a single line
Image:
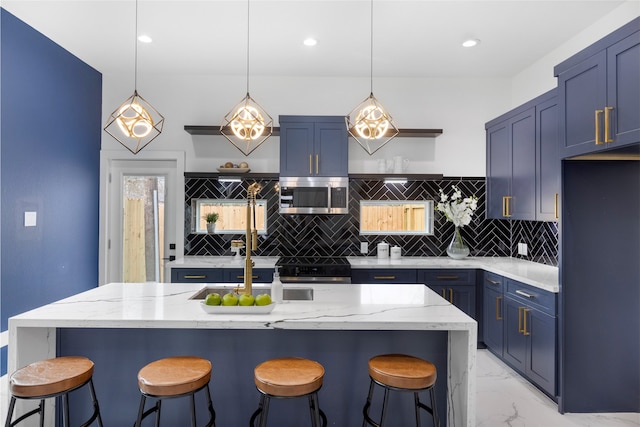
{"points": [[530, 337], [381, 275], [493, 319], [196, 275], [456, 286]]}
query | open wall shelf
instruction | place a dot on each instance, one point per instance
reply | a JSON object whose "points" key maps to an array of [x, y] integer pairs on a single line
{"points": [[403, 133]]}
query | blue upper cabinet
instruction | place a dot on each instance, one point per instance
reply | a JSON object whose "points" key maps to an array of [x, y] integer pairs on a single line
{"points": [[547, 161], [511, 166], [599, 94], [313, 146], [523, 169]]}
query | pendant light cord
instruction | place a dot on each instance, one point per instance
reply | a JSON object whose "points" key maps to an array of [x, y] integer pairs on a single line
{"points": [[135, 69], [371, 47], [248, 7]]}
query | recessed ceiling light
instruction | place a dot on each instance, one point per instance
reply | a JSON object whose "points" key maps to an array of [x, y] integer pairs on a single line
{"points": [[145, 38], [310, 42], [470, 42]]}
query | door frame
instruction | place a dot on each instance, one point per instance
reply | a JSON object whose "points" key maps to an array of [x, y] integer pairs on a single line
{"points": [[107, 160]]}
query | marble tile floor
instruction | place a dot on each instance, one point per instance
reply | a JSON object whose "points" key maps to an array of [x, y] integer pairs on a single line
{"points": [[503, 399]]}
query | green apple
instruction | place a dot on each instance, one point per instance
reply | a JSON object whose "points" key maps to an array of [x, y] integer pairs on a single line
{"points": [[213, 298], [263, 299], [247, 300], [230, 299]]}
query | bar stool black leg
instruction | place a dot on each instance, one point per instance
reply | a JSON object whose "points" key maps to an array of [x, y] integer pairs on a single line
{"points": [[416, 399], [434, 408], [193, 411], [212, 412]]}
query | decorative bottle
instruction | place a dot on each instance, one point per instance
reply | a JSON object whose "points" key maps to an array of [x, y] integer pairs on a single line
{"points": [[276, 287]]}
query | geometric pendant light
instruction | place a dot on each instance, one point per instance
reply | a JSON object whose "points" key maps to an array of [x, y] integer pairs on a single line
{"points": [[135, 123], [247, 125], [369, 123]]}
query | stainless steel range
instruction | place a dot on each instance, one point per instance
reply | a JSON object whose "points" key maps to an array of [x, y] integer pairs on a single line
{"points": [[314, 269]]}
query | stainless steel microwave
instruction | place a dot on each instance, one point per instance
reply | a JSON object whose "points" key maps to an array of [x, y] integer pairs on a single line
{"points": [[314, 195]]}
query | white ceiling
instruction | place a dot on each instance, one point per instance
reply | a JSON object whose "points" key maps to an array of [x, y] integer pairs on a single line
{"points": [[420, 38]]}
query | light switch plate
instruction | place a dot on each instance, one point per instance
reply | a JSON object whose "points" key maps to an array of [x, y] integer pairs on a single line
{"points": [[30, 219], [364, 247], [522, 249]]}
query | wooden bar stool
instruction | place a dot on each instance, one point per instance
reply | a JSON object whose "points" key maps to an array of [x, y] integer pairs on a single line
{"points": [[52, 378], [174, 377], [400, 372], [288, 377]]}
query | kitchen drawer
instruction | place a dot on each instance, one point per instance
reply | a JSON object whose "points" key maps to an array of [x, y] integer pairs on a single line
{"points": [[447, 277], [196, 275], [537, 298], [381, 275], [260, 275], [494, 281]]}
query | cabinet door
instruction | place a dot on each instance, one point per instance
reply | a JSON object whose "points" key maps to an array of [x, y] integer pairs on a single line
{"points": [[547, 161], [331, 148], [493, 318], [515, 342], [196, 275], [523, 167], [498, 169], [297, 148], [581, 91], [541, 362], [623, 90]]}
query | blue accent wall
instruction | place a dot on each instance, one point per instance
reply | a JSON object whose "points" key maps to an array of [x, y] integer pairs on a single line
{"points": [[50, 130]]}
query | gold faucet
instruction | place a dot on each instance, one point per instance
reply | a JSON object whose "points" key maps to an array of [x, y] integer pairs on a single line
{"points": [[251, 237]]}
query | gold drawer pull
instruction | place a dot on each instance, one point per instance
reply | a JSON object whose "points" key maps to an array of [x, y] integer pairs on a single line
{"points": [[498, 300], [524, 321], [242, 277], [555, 208], [310, 167], [607, 123], [384, 277], [451, 295], [201, 276], [597, 119], [520, 329], [506, 206], [447, 277]]}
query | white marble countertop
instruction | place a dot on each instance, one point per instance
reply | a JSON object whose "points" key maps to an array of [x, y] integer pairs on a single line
{"points": [[531, 273], [168, 305]]}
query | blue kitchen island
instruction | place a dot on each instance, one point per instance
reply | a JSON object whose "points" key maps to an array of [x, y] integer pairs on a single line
{"points": [[121, 327]]}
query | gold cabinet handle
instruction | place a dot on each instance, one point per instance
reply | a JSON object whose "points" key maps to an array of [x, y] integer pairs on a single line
{"points": [[199, 276], [520, 329], [242, 277], [607, 123], [524, 321], [317, 164], [384, 277], [310, 166], [451, 295], [444, 293], [498, 304], [506, 206], [597, 119], [555, 208], [447, 277]]}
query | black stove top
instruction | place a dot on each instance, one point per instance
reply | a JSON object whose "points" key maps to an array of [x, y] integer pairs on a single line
{"points": [[311, 260], [314, 269]]}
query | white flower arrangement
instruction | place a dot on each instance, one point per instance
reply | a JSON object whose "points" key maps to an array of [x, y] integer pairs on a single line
{"points": [[457, 209]]}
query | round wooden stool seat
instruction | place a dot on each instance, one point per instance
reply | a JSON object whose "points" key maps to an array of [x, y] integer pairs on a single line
{"points": [[402, 371], [51, 377], [289, 376], [174, 376]]}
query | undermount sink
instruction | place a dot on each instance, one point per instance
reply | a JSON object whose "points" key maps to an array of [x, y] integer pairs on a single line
{"points": [[288, 294]]}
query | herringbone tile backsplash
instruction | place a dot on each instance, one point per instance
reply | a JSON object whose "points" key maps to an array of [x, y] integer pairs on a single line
{"points": [[338, 235]]}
